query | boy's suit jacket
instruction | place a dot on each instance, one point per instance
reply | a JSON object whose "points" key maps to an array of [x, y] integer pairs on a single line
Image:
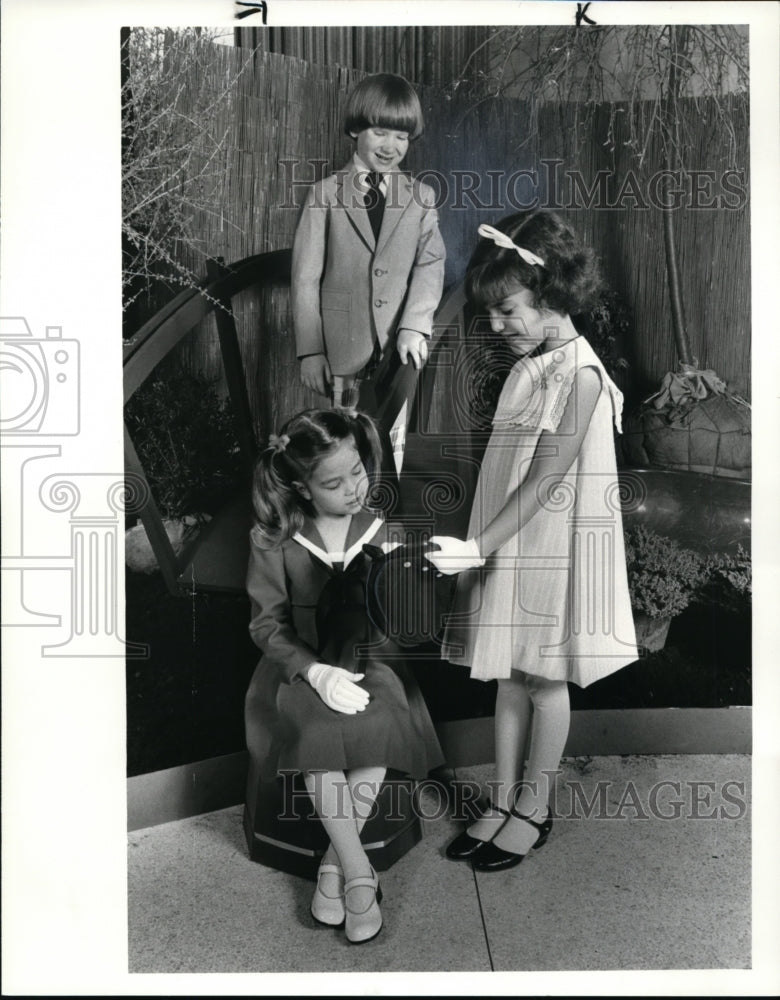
{"points": [[348, 289]]}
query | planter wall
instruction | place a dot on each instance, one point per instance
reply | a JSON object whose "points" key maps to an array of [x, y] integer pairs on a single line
{"points": [[651, 633], [705, 513]]}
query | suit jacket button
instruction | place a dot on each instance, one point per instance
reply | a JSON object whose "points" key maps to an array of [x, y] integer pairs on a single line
{"points": [[378, 272], [379, 302]]}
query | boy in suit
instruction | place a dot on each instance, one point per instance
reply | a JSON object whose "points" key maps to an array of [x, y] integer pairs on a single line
{"points": [[368, 258]]}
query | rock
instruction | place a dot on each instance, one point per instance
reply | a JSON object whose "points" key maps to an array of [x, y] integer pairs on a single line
{"points": [[139, 555]]}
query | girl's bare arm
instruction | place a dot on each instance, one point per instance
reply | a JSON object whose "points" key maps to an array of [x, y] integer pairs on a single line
{"points": [[554, 455]]}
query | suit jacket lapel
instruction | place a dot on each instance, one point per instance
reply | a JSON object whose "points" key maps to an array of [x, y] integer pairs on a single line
{"points": [[397, 198], [350, 197]]}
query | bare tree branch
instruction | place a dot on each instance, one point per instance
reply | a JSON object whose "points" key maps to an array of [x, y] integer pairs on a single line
{"points": [[173, 161]]}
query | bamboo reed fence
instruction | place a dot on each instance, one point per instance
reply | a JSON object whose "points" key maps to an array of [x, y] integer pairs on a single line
{"points": [[284, 122]]}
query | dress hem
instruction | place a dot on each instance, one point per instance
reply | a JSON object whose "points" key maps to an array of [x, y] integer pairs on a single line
{"points": [[580, 680]]}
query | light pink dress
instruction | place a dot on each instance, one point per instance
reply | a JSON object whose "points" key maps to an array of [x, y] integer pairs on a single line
{"points": [[553, 600]]}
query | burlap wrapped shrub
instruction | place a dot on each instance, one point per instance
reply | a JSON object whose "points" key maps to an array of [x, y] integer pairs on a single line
{"points": [[692, 423]]}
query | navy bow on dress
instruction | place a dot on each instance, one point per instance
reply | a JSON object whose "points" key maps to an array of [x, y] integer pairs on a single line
{"points": [[340, 617]]}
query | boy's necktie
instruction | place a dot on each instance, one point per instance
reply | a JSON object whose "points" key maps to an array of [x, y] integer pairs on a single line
{"points": [[374, 202]]}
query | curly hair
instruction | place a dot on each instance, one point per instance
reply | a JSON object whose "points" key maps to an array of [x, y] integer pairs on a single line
{"points": [[569, 282], [292, 457]]}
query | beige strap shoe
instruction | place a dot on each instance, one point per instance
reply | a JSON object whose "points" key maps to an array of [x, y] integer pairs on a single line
{"points": [[329, 910], [363, 926]]}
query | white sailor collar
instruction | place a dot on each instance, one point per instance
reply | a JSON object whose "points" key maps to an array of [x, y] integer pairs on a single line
{"points": [[362, 529]]}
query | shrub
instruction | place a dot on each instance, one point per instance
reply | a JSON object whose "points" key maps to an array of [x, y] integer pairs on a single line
{"points": [[607, 327], [178, 87], [186, 440], [663, 577], [730, 582]]}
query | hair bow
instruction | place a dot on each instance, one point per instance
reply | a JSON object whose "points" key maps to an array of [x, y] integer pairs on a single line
{"points": [[278, 443], [502, 240]]}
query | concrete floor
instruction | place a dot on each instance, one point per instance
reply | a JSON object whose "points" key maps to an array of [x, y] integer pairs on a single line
{"points": [[624, 889]]}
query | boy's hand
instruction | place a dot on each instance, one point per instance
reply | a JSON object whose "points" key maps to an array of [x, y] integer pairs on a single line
{"points": [[414, 345], [316, 374]]}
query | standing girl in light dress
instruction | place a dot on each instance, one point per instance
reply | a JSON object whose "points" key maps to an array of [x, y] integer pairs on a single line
{"points": [[322, 700], [542, 598]]}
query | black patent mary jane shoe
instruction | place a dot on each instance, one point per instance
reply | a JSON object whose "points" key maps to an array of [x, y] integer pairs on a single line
{"points": [[492, 858], [465, 847]]}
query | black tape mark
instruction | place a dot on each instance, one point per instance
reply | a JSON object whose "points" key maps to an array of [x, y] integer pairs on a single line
{"points": [[582, 15], [261, 7]]}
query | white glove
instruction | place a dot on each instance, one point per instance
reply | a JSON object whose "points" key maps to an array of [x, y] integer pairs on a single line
{"points": [[336, 687], [454, 555]]}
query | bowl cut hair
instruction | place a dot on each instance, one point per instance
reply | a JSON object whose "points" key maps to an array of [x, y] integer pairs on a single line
{"points": [[384, 100]]}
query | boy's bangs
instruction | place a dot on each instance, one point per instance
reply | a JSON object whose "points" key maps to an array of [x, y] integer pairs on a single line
{"points": [[399, 119]]}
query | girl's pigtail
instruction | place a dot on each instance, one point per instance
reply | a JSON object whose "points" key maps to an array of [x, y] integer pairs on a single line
{"points": [[275, 500], [367, 440]]}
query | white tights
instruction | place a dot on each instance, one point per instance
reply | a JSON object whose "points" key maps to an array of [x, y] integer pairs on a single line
{"points": [[526, 705], [343, 801]]}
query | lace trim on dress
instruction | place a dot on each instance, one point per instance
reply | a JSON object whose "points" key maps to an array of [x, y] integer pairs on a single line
{"points": [[525, 417], [543, 397], [560, 401], [562, 398]]}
